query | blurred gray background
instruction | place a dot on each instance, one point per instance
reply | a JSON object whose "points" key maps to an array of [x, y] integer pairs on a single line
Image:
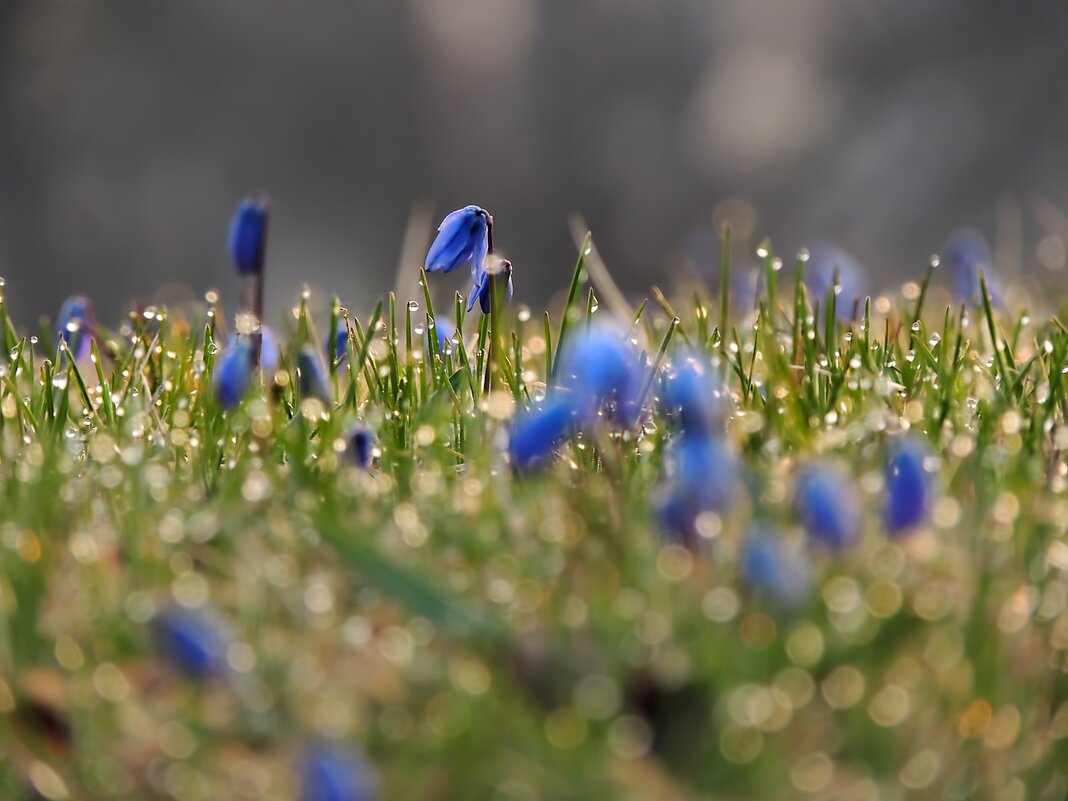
{"points": [[129, 130]]}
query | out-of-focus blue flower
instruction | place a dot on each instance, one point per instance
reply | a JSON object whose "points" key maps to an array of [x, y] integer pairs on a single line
{"points": [[703, 477], [334, 773], [247, 240], [481, 284], [968, 254], [313, 378], [826, 501], [693, 392], [340, 351], [908, 487], [771, 570], [191, 640], [445, 330], [75, 326], [598, 366], [361, 446], [463, 236], [824, 261], [233, 373], [270, 352], [536, 433]]}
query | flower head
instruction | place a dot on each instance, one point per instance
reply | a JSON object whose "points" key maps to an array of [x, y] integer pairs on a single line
{"points": [[824, 263], [233, 372], [693, 392], [482, 285], [599, 367], [703, 477], [968, 255], [247, 241], [313, 378], [270, 352], [192, 640], [536, 433], [772, 570], [361, 444], [908, 487], [463, 236], [826, 501], [340, 350], [334, 773], [75, 326]]}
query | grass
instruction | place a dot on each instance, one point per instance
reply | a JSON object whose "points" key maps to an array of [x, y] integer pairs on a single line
{"points": [[482, 634]]}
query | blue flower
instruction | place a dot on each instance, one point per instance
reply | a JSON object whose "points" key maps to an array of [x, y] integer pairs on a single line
{"points": [[908, 487], [340, 351], [703, 477], [824, 261], [694, 393], [191, 640], [270, 352], [247, 239], [772, 570], [233, 373], [536, 433], [75, 326], [599, 367], [361, 446], [333, 773], [313, 378], [463, 236], [968, 254], [827, 503], [481, 284]]}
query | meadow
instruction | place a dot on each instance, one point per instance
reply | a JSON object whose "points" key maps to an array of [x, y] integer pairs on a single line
{"points": [[770, 536]]}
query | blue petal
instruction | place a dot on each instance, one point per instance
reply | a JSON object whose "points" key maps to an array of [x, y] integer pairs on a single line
{"points": [[479, 293], [247, 238], [74, 326], [695, 395], [340, 350], [361, 446], [824, 261], [461, 236], [538, 432], [191, 641], [313, 379], [600, 367], [907, 488], [827, 504], [233, 373], [329, 773]]}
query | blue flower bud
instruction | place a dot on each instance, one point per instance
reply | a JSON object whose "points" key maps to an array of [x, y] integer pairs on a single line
{"points": [[824, 261], [481, 285], [191, 640], [599, 367], [75, 326], [536, 433], [233, 373], [968, 255], [361, 446], [770, 569], [463, 236], [247, 240], [694, 394], [334, 773], [313, 378], [908, 487], [826, 501]]}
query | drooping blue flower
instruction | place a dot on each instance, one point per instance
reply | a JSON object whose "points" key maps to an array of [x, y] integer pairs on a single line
{"points": [[233, 373], [340, 351], [481, 284], [702, 477], [463, 236], [75, 326], [313, 378], [694, 394], [191, 640], [908, 487], [247, 240], [361, 444], [968, 255], [270, 352], [770, 569], [330, 772], [826, 501], [599, 367], [536, 433], [824, 262]]}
